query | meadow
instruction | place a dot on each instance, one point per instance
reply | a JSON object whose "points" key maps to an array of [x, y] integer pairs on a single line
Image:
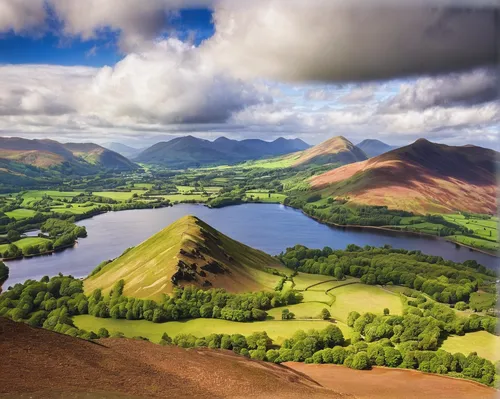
{"points": [[278, 330], [24, 242], [485, 344]]}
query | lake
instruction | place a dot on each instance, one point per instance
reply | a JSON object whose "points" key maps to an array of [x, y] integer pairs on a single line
{"points": [[268, 227]]}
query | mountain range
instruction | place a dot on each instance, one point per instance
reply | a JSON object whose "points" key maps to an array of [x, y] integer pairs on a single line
{"points": [[189, 151], [372, 147], [188, 252], [123, 149], [23, 159], [421, 177]]}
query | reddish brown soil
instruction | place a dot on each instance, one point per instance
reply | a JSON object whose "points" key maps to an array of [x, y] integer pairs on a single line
{"points": [[384, 383], [40, 363]]}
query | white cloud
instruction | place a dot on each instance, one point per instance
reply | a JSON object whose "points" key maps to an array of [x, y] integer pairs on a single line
{"points": [[21, 15], [137, 24], [468, 88]]}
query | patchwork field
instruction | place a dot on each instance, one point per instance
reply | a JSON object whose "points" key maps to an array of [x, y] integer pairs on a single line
{"points": [[485, 344], [20, 213]]}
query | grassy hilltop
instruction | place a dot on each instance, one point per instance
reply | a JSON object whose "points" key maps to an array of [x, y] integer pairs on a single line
{"points": [[188, 252]]}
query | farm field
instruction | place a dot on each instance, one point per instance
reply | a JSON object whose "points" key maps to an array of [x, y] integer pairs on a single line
{"points": [[264, 196], [118, 195], [476, 243], [20, 213], [485, 344], [363, 298], [24, 242], [277, 330]]}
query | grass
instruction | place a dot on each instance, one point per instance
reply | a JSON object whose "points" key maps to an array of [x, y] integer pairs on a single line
{"points": [[476, 243], [148, 268], [363, 298], [118, 195], [277, 330], [281, 162], [264, 196], [24, 242], [486, 229], [482, 300], [75, 209], [20, 213], [485, 344], [35, 195]]}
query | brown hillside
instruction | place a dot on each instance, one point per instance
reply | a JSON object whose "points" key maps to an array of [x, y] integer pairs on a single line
{"points": [[337, 149], [422, 177], [385, 383], [83, 158], [44, 364]]}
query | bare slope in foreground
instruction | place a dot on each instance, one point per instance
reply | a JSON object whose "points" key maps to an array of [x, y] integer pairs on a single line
{"points": [[50, 365], [422, 177], [384, 383]]}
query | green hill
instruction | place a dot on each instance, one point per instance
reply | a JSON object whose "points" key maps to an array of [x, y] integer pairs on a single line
{"points": [[188, 252], [23, 161]]}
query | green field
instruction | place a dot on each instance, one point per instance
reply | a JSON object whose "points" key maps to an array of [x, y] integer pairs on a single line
{"points": [[486, 229], [476, 243], [75, 208], [363, 298], [264, 196], [20, 213], [36, 195], [24, 242], [282, 162], [118, 195], [278, 330], [482, 300], [485, 344]]}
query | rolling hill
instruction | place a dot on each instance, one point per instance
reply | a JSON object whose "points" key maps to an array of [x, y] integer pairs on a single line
{"points": [[189, 151], [188, 252], [123, 149], [422, 177], [334, 150], [372, 147], [61, 366], [27, 159]]}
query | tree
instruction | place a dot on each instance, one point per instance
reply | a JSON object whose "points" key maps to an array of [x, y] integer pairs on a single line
{"points": [[103, 333], [386, 311], [287, 315], [325, 314], [13, 235], [352, 317]]}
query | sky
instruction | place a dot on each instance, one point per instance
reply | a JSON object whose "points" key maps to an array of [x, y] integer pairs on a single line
{"points": [[138, 72]]}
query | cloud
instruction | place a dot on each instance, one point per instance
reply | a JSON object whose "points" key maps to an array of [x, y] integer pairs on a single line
{"points": [[21, 16], [170, 83], [137, 24], [359, 94], [366, 40], [475, 87]]}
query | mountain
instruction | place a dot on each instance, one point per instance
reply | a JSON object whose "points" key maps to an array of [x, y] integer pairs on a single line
{"points": [[188, 252], [189, 151], [125, 150], [61, 366], [40, 158], [372, 147], [334, 150], [422, 177]]}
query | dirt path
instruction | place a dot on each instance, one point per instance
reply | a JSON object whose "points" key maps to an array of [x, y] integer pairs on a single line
{"points": [[385, 383]]}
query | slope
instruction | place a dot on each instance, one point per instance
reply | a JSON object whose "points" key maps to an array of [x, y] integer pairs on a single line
{"points": [[188, 252], [373, 148], [65, 367], [99, 156], [123, 149], [422, 177], [43, 158], [189, 151], [334, 150]]}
